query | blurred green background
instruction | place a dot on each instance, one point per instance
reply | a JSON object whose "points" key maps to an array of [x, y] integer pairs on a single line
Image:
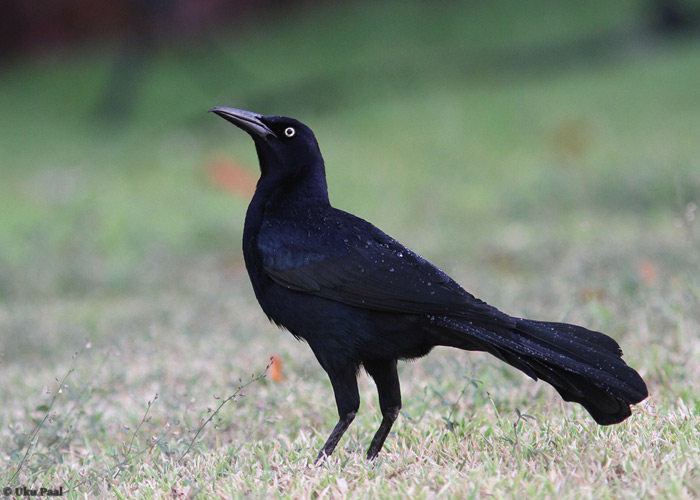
{"points": [[503, 140]]}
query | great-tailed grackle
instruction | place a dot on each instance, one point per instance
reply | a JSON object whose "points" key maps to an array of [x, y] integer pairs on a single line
{"points": [[360, 298]]}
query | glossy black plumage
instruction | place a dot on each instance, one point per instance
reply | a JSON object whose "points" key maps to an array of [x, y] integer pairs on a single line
{"points": [[361, 299]]}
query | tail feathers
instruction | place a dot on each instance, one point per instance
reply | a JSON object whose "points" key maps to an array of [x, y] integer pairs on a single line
{"points": [[584, 366]]}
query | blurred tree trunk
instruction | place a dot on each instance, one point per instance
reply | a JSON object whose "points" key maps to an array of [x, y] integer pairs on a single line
{"points": [[670, 17], [131, 63]]}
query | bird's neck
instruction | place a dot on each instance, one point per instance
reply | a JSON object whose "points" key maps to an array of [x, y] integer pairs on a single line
{"points": [[279, 194], [278, 198], [305, 184]]}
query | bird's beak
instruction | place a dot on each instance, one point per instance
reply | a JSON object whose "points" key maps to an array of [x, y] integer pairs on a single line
{"points": [[245, 120]]}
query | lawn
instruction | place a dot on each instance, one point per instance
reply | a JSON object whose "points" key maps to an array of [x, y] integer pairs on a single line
{"points": [[548, 158]]}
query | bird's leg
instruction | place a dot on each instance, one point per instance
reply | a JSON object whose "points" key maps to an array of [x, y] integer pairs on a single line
{"points": [[347, 398], [386, 377]]}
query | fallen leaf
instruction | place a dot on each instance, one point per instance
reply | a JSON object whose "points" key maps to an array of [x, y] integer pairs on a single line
{"points": [[647, 271], [589, 294], [231, 176], [276, 374]]}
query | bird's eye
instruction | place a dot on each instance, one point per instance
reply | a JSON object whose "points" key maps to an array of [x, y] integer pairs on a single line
{"points": [[289, 132]]}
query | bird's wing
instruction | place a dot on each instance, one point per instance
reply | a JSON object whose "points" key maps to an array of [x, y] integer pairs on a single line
{"points": [[366, 268]]}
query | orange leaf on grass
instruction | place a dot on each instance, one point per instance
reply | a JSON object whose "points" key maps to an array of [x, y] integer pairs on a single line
{"points": [[276, 374], [647, 271], [231, 176], [593, 294]]}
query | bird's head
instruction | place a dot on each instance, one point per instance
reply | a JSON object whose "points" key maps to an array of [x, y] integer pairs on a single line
{"points": [[285, 146]]}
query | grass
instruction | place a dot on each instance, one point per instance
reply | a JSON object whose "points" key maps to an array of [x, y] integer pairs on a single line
{"points": [[554, 182]]}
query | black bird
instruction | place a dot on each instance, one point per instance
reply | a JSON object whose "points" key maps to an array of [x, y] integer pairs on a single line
{"points": [[360, 298]]}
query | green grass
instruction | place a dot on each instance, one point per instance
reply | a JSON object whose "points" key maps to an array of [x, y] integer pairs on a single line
{"points": [[552, 182]]}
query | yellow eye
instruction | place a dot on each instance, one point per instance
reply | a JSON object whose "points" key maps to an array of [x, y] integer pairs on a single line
{"points": [[289, 132]]}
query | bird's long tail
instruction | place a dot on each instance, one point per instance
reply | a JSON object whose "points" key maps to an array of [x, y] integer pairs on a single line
{"points": [[584, 366]]}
